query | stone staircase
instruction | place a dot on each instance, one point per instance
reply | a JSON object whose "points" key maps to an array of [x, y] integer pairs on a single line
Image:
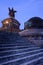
{"points": [[16, 50]]}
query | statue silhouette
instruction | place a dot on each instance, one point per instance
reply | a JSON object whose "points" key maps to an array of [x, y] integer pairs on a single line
{"points": [[12, 12]]}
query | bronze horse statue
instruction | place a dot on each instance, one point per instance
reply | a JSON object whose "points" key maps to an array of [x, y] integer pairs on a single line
{"points": [[12, 12]]}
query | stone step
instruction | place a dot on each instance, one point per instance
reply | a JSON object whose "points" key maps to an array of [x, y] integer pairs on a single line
{"points": [[14, 39], [8, 50], [16, 44], [30, 51], [18, 47], [22, 58], [6, 53], [36, 61], [11, 43], [15, 47]]}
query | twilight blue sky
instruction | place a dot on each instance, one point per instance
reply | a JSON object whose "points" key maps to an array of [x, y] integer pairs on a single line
{"points": [[25, 9]]}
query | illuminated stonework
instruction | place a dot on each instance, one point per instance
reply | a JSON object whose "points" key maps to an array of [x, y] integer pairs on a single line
{"points": [[11, 24], [7, 22]]}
